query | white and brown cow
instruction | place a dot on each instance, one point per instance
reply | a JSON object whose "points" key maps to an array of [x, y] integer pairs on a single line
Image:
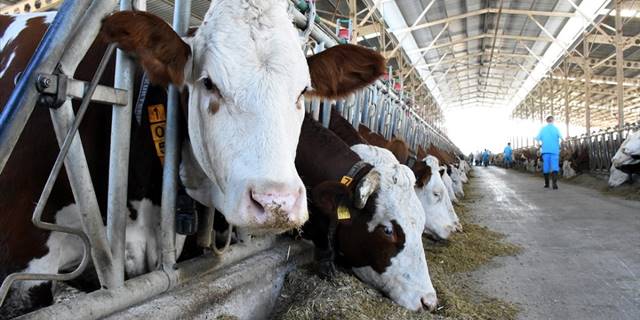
{"points": [[243, 118], [626, 162]]}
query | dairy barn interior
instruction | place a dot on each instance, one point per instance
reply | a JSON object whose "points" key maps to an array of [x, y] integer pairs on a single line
{"points": [[329, 159]]}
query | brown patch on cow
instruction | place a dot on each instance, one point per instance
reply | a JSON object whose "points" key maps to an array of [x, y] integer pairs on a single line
{"points": [[356, 246], [442, 156], [421, 153], [376, 139], [422, 172], [363, 130], [341, 70], [399, 148], [343, 129], [214, 106], [157, 47]]}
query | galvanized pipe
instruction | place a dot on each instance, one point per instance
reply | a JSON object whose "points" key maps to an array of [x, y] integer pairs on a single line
{"points": [[22, 101], [181, 16], [119, 161], [101, 303]]}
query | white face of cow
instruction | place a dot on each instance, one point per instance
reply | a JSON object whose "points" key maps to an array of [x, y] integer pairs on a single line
{"points": [[629, 151], [441, 218], [617, 177], [406, 280], [245, 74], [456, 178], [567, 170], [245, 110]]}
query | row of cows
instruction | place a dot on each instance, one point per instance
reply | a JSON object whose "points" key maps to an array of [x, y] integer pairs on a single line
{"points": [[625, 164], [249, 150]]}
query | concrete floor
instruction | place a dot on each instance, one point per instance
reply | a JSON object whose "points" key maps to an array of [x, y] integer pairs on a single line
{"points": [[581, 257]]}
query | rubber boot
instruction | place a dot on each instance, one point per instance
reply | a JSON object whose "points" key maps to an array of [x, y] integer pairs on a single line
{"points": [[554, 179], [546, 180]]}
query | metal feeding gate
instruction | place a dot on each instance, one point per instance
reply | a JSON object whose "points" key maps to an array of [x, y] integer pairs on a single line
{"points": [[44, 81]]}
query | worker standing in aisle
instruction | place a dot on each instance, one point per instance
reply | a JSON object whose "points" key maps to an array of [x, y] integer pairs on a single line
{"points": [[550, 138], [508, 153]]}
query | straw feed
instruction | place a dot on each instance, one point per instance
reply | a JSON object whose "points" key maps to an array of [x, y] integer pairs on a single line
{"points": [[306, 296]]}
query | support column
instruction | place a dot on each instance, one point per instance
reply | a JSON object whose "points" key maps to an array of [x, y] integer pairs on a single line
{"points": [[619, 63], [587, 85], [567, 107]]}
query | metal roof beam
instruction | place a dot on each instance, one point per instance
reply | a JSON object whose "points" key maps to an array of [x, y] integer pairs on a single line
{"points": [[485, 11], [483, 36]]}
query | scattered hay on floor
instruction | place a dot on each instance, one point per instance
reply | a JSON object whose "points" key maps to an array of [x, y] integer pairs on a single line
{"points": [[306, 296], [626, 191]]}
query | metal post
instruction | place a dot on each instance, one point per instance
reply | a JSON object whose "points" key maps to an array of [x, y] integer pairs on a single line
{"points": [[22, 101], [587, 85], [567, 106], [75, 162], [119, 160], [619, 63], [181, 16]]}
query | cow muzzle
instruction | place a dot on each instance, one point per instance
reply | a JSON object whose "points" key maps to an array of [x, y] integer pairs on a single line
{"points": [[276, 206]]}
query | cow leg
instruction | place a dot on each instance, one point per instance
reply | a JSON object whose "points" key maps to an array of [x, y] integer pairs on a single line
{"points": [[325, 255], [65, 252]]}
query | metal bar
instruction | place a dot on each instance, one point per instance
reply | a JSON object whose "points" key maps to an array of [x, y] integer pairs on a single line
{"points": [[119, 160], [587, 86], [619, 63], [181, 15], [22, 101]]}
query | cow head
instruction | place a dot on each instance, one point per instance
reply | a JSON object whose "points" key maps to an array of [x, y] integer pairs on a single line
{"points": [[441, 219], [629, 152], [245, 74], [394, 211], [378, 250]]}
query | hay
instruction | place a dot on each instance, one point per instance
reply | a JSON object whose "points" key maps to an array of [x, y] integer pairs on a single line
{"points": [[626, 191], [306, 296]]}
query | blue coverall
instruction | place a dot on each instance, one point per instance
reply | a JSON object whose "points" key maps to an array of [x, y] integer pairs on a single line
{"points": [[550, 137], [508, 152]]}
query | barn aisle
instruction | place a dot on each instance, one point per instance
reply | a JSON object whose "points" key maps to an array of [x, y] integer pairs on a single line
{"points": [[581, 257]]}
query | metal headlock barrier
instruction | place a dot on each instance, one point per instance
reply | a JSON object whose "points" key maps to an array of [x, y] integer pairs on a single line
{"points": [[377, 106], [601, 145], [49, 76]]}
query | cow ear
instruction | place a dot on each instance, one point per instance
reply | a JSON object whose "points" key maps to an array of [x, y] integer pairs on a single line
{"points": [[160, 50], [329, 195], [343, 69], [423, 174]]}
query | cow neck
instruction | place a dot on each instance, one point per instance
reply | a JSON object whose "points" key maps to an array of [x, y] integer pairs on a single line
{"points": [[343, 129], [323, 156]]}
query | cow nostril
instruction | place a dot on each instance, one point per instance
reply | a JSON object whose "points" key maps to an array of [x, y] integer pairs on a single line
{"points": [[429, 305]]}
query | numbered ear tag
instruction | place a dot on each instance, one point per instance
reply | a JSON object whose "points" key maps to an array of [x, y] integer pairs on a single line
{"points": [[343, 213], [346, 180]]}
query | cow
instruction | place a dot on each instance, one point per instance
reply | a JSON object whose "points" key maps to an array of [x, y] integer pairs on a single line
{"points": [[626, 160], [370, 223], [241, 127], [575, 161], [440, 220]]}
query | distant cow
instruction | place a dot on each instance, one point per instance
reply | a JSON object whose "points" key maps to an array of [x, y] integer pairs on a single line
{"points": [[440, 219]]}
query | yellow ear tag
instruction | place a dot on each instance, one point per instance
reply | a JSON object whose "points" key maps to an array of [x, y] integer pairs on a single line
{"points": [[346, 180], [343, 213]]}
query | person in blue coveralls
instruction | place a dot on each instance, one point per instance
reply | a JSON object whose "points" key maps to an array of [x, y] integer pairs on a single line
{"points": [[485, 157], [508, 155], [550, 138]]}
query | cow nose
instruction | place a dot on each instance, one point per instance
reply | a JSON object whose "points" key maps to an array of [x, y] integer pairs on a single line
{"points": [[458, 227], [279, 207], [429, 302]]}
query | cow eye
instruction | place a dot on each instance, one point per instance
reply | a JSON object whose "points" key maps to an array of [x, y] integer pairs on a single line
{"points": [[388, 230], [208, 83]]}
